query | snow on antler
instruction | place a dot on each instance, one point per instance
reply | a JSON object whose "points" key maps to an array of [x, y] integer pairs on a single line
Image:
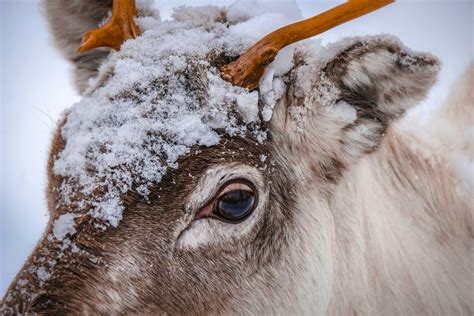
{"points": [[248, 69]]}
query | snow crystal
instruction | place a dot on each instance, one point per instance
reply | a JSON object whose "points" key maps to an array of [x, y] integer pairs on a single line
{"points": [[64, 225], [74, 248], [22, 282], [42, 275], [155, 99], [345, 112]]}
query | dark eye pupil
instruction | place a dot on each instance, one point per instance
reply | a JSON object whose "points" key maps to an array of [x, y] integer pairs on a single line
{"points": [[235, 206]]}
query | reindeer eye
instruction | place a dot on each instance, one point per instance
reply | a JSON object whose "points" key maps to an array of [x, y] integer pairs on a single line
{"points": [[235, 203]]}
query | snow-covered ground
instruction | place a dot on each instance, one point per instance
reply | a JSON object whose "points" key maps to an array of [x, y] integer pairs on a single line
{"points": [[35, 87]]}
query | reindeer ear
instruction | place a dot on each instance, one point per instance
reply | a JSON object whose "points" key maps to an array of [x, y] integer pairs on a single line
{"points": [[344, 105], [380, 78], [370, 83], [69, 20]]}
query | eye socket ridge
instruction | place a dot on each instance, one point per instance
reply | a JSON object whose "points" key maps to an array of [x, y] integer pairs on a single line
{"points": [[233, 203]]}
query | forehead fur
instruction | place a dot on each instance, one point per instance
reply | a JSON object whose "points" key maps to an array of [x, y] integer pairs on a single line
{"points": [[155, 99]]}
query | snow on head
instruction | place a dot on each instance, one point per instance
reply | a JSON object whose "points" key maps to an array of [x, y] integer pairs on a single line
{"points": [[152, 101], [64, 225], [162, 94]]}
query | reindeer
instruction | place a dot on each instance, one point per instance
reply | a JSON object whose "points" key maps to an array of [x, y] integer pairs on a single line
{"points": [[338, 211]]}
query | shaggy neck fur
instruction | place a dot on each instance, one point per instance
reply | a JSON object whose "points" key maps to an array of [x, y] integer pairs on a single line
{"points": [[392, 228]]}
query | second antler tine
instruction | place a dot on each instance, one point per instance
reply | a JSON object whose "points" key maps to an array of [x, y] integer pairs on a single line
{"points": [[249, 68], [120, 27]]}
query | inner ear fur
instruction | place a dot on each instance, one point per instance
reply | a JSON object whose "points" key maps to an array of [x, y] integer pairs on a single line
{"points": [[381, 78], [375, 76]]}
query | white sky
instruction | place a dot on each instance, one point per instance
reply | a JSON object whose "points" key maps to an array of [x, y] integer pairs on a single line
{"points": [[35, 86]]}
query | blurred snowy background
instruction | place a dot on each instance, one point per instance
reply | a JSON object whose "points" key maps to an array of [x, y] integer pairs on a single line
{"points": [[35, 87]]}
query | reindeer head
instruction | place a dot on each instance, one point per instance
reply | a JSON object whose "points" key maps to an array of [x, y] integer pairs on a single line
{"points": [[170, 192]]}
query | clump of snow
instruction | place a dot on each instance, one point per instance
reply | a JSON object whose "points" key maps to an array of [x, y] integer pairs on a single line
{"points": [[247, 106], [154, 100], [254, 19], [74, 248], [244, 10], [345, 112], [22, 282], [204, 16], [272, 88], [64, 225], [42, 276]]}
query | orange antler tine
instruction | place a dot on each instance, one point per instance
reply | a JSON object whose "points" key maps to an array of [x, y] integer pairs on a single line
{"points": [[249, 68], [120, 27]]}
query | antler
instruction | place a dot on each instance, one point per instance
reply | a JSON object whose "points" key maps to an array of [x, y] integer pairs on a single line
{"points": [[248, 69], [120, 27]]}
